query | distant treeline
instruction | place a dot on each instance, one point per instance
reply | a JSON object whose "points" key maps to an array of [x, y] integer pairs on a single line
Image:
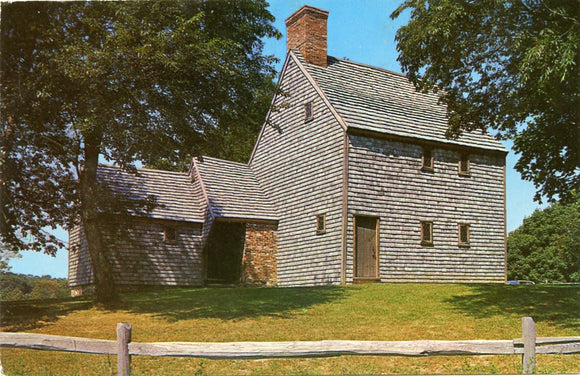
{"points": [[24, 286]]}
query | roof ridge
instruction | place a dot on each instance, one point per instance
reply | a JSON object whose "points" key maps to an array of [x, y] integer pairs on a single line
{"points": [[369, 66], [142, 169], [225, 160]]}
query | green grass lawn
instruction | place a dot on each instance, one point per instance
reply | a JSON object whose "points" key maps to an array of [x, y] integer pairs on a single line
{"points": [[387, 312]]}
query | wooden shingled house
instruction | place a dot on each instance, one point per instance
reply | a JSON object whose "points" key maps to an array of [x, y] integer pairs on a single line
{"points": [[351, 180]]}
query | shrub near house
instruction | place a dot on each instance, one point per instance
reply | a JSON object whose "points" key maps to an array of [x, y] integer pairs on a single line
{"points": [[546, 247]]}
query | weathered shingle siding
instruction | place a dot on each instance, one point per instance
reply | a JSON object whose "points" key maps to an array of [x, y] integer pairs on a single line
{"points": [[385, 180], [140, 256], [300, 169], [80, 272]]}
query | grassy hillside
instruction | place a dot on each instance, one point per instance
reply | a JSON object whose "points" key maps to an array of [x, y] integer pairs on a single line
{"points": [[364, 312]]}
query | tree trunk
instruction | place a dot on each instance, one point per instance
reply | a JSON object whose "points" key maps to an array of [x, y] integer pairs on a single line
{"points": [[5, 137], [105, 291]]}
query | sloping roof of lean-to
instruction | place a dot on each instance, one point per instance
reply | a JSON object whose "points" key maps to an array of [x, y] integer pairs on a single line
{"points": [[175, 196], [378, 100], [233, 190]]}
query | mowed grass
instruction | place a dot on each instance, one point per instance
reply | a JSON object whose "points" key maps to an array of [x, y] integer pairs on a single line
{"points": [[387, 312]]}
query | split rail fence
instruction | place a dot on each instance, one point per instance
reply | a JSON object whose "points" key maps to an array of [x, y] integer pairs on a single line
{"points": [[528, 346]]}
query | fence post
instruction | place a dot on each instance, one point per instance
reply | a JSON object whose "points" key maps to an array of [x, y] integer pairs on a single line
{"points": [[529, 336], [123, 356]]}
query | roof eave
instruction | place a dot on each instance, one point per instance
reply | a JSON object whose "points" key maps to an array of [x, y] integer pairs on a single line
{"points": [[232, 218], [270, 108], [422, 140]]}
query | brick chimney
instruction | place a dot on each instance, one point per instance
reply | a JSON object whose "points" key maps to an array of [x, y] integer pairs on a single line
{"points": [[306, 31]]}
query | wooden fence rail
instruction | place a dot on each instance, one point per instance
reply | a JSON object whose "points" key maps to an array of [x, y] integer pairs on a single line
{"points": [[528, 346]]}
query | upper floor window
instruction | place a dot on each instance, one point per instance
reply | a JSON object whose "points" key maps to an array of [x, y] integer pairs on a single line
{"points": [[308, 114], [463, 234], [464, 169], [320, 224], [426, 233], [170, 234], [427, 160]]}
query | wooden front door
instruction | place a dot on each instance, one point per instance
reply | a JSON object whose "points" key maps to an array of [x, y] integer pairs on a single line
{"points": [[365, 252]]}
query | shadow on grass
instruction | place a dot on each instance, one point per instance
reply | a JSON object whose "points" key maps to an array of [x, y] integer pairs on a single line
{"points": [[557, 304], [175, 304], [22, 315], [229, 303]]}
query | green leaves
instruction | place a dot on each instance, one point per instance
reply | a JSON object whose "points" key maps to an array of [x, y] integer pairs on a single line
{"points": [[511, 66], [154, 82], [547, 245]]}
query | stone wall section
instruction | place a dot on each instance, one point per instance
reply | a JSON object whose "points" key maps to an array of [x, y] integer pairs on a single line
{"points": [[299, 163], [386, 181], [259, 256]]}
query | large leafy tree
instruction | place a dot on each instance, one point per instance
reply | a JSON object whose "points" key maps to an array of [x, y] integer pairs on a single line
{"points": [[124, 81], [547, 245], [509, 65]]}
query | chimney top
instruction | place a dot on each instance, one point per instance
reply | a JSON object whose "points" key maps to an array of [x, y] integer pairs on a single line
{"points": [[306, 31], [304, 9]]}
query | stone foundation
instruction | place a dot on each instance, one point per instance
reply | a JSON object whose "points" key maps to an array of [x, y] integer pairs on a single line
{"points": [[85, 290], [259, 255]]}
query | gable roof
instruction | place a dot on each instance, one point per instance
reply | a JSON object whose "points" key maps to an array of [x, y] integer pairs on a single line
{"points": [[377, 100], [176, 197], [233, 190]]}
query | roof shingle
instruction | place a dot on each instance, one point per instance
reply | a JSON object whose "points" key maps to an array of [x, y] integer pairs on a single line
{"points": [[378, 100], [233, 190], [175, 195]]}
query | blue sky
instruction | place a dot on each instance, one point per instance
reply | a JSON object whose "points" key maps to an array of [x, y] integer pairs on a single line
{"points": [[362, 31]]}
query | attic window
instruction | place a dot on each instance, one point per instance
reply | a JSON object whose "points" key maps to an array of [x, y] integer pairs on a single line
{"points": [[427, 233], [320, 224], [170, 234], [464, 169], [463, 229], [308, 115], [427, 160]]}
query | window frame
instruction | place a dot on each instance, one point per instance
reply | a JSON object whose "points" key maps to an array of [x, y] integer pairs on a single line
{"points": [[427, 167], [426, 242], [170, 239], [460, 241], [319, 217], [308, 111], [462, 159]]}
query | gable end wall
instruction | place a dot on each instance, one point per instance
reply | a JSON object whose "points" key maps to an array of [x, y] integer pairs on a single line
{"points": [[300, 169]]}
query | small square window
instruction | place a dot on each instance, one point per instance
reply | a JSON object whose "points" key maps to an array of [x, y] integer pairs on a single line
{"points": [[308, 115], [463, 234], [464, 166], [427, 160], [320, 224], [170, 234], [426, 233]]}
